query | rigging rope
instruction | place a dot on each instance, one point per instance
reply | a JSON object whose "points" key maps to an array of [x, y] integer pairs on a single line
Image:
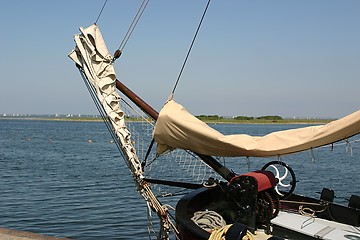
{"points": [[101, 110], [97, 19], [131, 29], [188, 53]]}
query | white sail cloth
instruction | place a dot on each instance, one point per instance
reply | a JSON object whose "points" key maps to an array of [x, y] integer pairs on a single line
{"points": [[92, 55], [177, 128]]}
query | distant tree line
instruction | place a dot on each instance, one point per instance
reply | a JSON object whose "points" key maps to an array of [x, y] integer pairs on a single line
{"points": [[243, 118], [217, 117], [210, 117], [270, 118]]}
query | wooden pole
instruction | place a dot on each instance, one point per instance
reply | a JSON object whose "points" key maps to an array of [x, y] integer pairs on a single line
{"points": [[137, 100]]}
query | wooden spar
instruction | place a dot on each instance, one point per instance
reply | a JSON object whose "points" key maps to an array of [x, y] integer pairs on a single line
{"points": [[174, 183], [137, 100], [209, 160]]}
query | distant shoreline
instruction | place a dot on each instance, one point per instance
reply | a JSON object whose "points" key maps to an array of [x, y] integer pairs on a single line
{"points": [[223, 121]]}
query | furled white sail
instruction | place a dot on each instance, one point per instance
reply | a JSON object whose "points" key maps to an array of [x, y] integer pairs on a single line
{"points": [[92, 56], [177, 128]]}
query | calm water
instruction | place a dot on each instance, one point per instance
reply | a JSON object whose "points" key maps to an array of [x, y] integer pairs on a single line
{"points": [[54, 181]]}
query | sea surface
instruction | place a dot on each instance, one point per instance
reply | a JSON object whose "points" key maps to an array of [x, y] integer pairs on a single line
{"points": [[67, 179]]}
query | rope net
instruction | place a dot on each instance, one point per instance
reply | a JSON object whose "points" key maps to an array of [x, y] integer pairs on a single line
{"points": [[177, 165]]}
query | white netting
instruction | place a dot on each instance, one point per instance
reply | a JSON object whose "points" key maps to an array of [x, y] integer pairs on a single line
{"points": [[177, 165]]}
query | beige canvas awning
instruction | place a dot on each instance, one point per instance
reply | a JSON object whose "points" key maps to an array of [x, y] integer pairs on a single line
{"points": [[177, 128]]}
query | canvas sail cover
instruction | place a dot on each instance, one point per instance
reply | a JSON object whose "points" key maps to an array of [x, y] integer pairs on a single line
{"points": [[95, 61], [177, 128]]}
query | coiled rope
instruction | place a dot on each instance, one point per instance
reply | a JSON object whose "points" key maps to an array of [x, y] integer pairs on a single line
{"points": [[306, 211], [219, 234], [213, 222], [208, 220]]}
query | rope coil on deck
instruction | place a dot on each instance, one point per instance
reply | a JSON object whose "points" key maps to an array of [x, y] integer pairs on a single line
{"points": [[213, 222], [219, 234], [306, 211], [208, 220]]}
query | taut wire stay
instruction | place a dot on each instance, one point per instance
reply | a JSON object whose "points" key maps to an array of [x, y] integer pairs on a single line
{"points": [[188, 53], [97, 19], [132, 26]]}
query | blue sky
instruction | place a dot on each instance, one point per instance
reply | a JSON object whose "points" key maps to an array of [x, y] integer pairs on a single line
{"points": [[252, 58]]}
